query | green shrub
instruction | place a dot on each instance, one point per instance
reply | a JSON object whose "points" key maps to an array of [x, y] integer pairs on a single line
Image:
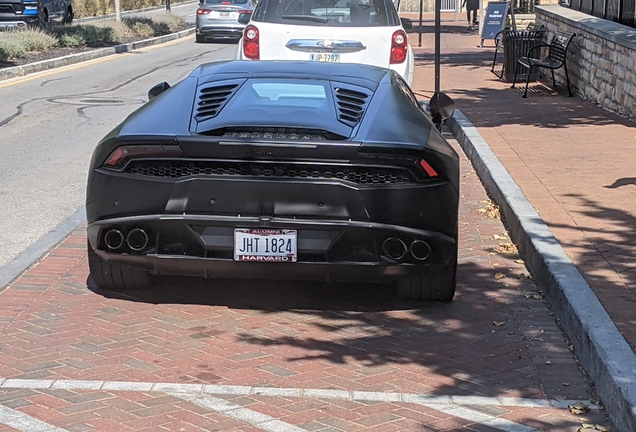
{"points": [[143, 29], [17, 44], [90, 34]]}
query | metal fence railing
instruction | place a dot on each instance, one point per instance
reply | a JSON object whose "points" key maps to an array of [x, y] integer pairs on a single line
{"points": [[620, 11]]}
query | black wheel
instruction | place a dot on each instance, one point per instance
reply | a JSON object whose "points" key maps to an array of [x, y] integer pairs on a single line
{"points": [[44, 19], [68, 15], [200, 38], [434, 287], [115, 276]]}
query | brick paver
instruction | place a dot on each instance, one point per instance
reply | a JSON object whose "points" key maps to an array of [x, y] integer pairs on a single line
{"points": [[571, 158]]}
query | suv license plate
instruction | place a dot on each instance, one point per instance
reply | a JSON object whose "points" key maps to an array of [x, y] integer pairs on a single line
{"points": [[265, 245], [325, 57]]}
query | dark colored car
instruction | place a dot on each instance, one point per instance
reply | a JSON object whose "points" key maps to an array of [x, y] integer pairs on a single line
{"points": [[219, 19], [285, 170], [20, 14]]}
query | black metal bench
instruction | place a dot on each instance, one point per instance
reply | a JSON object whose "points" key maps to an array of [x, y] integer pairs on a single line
{"points": [[555, 58], [523, 40]]}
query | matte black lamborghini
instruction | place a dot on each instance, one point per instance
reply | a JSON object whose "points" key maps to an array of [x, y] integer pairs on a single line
{"points": [[286, 170]]}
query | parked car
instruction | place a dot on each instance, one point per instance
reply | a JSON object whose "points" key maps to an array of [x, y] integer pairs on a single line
{"points": [[218, 19], [285, 170], [20, 14], [353, 31]]}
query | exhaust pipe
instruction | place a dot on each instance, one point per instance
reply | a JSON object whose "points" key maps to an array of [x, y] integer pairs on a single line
{"points": [[114, 239], [420, 250], [394, 248], [137, 239]]}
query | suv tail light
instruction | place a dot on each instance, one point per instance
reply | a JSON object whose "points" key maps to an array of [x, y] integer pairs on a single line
{"points": [[399, 44], [250, 43]]}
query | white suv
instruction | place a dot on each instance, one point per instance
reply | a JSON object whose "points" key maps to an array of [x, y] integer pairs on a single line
{"points": [[350, 31]]}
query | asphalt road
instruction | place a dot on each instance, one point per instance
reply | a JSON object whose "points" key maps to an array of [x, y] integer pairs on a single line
{"points": [[50, 122]]}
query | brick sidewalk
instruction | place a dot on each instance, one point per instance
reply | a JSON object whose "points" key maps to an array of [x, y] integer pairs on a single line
{"points": [[573, 160]]}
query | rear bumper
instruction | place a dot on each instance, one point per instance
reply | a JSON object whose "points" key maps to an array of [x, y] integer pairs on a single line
{"points": [[216, 31], [328, 250], [15, 24]]}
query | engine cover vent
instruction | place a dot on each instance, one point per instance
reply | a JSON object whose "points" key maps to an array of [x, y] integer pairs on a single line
{"points": [[351, 104], [211, 100]]}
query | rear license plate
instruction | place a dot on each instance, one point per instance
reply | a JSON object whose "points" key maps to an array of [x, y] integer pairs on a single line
{"points": [[224, 14], [326, 57], [265, 245]]}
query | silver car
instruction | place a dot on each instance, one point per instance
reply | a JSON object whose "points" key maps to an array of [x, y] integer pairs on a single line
{"points": [[219, 19]]}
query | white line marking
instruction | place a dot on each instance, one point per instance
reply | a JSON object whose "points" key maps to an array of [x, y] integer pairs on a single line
{"points": [[237, 412], [420, 399], [23, 422], [201, 395]]}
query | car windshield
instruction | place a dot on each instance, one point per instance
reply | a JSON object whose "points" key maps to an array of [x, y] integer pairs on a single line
{"points": [[226, 2], [337, 13]]}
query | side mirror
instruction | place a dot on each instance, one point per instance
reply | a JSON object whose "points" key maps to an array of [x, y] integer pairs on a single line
{"points": [[406, 23], [244, 18], [157, 90], [441, 107]]}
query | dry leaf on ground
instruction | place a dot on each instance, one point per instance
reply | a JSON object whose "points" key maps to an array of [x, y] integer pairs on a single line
{"points": [[507, 248], [578, 408], [491, 210], [499, 275]]}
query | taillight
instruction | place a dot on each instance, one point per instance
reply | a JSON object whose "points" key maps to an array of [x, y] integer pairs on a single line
{"points": [[428, 168], [121, 155], [250, 43], [399, 44], [203, 11], [244, 11]]}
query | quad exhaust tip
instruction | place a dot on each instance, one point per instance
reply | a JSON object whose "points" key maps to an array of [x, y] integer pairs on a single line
{"points": [[394, 248], [420, 250], [114, 239], [137, 239]]}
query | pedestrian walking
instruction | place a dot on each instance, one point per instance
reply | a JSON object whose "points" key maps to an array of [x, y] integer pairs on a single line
{"points": [[471, 6]]}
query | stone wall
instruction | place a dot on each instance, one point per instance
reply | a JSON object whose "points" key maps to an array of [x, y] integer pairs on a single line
{"points": [[601, 60]]}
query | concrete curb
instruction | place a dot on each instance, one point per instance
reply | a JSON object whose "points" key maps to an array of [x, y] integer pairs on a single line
{"points": [[14, 268], [600, 347], [27, 69]]}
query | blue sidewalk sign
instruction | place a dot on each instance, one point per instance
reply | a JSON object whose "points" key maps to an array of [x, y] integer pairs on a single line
{"points": [[495, 20]]}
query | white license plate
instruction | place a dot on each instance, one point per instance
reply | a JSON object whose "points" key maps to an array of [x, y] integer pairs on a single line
{"points": [[224, 14], [325, 57], [265, 245]]}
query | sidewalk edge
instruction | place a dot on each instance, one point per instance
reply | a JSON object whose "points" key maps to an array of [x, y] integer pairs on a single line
{"points": [[37, 251], [18, 71], [600, 347]]}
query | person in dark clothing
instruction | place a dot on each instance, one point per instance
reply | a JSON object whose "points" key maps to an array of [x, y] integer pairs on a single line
{"points": [[471, 6]]}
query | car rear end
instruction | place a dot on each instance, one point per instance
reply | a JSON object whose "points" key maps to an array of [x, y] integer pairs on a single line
{"points": [[270, 184], [315, 30], [218, 19]]}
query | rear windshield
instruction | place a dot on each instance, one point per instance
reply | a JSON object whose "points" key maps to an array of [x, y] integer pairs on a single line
{"points": [[336, 13]]}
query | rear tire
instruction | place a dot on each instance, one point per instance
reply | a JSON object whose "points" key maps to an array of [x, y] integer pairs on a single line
{"points": [[68, 15], [115, 276], [434, 287]]}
